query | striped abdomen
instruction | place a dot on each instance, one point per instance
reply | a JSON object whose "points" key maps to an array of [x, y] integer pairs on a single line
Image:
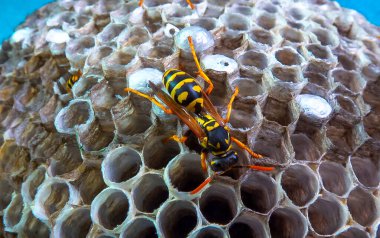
{"points": [[71, 80], [184, 89]]}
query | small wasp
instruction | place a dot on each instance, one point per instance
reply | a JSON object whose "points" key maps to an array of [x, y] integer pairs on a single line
{"points": [[72, 79], [141, 2], [192, 105]]}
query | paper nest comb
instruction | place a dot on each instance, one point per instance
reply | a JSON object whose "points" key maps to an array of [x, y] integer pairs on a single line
{"points": [[92, 163]]}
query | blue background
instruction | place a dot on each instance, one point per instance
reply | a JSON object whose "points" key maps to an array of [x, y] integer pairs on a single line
{"points": [[13, 12]]}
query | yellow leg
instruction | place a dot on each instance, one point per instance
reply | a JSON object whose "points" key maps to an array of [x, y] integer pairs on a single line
{"points": [[243, 146], [141, 3], [200, 71], [176, 138], [190, 4], [203, 161], [153, 100], [229, 106]]}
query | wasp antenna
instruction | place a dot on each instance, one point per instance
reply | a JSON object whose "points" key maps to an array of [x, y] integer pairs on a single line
{"points": [[202, 185]]}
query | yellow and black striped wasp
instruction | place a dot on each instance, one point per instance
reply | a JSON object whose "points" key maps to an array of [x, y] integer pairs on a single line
{"points": [[191, 5], [72, 79], [190, 103]]}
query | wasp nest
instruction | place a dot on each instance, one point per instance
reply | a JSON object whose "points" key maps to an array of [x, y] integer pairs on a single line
{"points": [[91, 162]]}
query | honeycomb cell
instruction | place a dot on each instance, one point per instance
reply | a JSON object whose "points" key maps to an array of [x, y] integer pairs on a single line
{"points": [[262, 36], [259, 192], [363, 206], [157, 153], [247, 225], [211, 231], [34, 227], [140, 227], [351, 82], [150, 192], [110, 32], [73, 222], [288, 56], [7, 190], [235, 22], [282, 223], [34, 180], [353, 233], [304, 147], [327, 215], [252, 62], [335, 177], [266, 20], [292, 35], [177, 219], [215, 197], [300, 184], [13, 213], [111, 208]]}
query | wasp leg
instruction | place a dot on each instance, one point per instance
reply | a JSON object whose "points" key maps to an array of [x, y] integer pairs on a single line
{"points": [[176, 138], [190, 4], [141, 2], [153, 100], [200, 71], [203, 161], [243, 146], [229, 106]]}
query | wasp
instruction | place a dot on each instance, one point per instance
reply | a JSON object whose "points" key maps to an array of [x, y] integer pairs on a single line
{"points": [[191, 104], [72, 79], [191, 5]]}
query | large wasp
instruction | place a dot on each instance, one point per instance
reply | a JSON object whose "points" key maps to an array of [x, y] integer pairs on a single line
{"points": [[141, 2], [192, 105]]}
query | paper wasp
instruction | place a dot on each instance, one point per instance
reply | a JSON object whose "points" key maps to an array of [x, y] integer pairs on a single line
{"points": [[141, 2], [72, 79], [190, 103]]}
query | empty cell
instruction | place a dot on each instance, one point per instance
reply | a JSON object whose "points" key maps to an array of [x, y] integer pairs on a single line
{"points": [[259, 192], [78, 112], [121, 164], [318, 79], [287, 56], [304, 148], [253, 59], [211, 231], [353, 232], [185, 172], [207, 23], [150, 192], [300, 184], [34, 227], [31, 184], [347, 61], [13, 213], [133, 36], [248, 226], [235, 22], [327, 215], [319, 51], [249, 87], [157, 154], [297, 13], [326, 37], [111, 208], [110, 32], [286, 74], [335, 177], [97, 54], [371, 122], [75, 223], [6, 190], [366, 170], [350, 80], [286, 222], [278, 111], [292, 35], [177, 219], [218, 204], [262, 36], [266, 20], [244, 115], [362, 206], [89, 184], [140, 227]]}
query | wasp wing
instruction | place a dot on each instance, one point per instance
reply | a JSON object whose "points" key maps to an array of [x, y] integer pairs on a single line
{"points": [[178, 110], [210, 108]]}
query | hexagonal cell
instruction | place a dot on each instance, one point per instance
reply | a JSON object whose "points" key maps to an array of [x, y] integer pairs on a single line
{"points": [[353, 232], [236, 22], [241, 9], [133, 36], [177, 15], [14, 211], [252, 87], [185, 172], [318, 84], [287, 74], [110, 32], [140, 227], [75, 222], [155, 56], [247, 225], [271, 140], [268, 7], [34, 227], [371, 122], [30, 185], [157, 154], [207, 23], [215, 197], [149, 192], [300, 184], [244, 115], [211, 231], [288, 56], [370, 94], [259, 192], [89, 184], [363, 206], [365, 164], [122, 166], [282, 223], [252, 62], [319, 51], [266, 20], [326, 37], [335, 177], [6, 189], [119, 62], [292, 35], [262, 36], [327, 215], [347, 110], [351, 82], [305, 147], [177, 219], [347, 61], [281, 112], [78, 49], [112, 208]]}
